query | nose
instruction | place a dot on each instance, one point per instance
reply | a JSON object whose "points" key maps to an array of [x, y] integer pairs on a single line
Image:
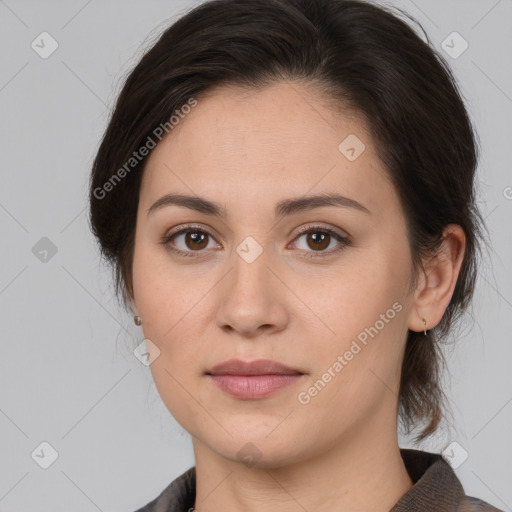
{"points": [[253, 300]]}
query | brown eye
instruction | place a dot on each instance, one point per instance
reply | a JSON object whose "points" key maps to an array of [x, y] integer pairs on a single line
{"points": [[318, 240], [187, 241], [191, 241], [195, 240]]}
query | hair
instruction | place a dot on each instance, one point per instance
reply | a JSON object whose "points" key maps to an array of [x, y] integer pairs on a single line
{"points": [[363, 56]]}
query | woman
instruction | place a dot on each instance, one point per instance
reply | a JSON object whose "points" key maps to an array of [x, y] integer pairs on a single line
{"points": [[286, 193]]}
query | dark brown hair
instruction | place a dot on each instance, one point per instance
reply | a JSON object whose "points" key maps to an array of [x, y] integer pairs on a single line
{"points": [[363, 56]]}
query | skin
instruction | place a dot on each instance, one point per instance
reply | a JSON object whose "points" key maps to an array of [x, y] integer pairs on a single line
{"points": [[248, 150]]}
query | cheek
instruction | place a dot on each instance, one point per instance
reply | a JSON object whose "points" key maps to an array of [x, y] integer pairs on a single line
{"points": [[170, 303], [342, 304], [361, 316], [161, 296]]}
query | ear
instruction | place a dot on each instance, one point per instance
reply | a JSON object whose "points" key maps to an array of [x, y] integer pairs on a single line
{"points": [[133, 305], [130, 297], [435, 289]]}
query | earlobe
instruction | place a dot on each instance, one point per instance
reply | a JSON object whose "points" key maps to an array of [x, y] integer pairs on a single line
{"points": [[441, 273], [136, 317]]}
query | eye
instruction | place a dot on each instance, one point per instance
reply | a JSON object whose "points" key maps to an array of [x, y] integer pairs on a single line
{"points": [[319, 238], [193, 240], [189, 241]]}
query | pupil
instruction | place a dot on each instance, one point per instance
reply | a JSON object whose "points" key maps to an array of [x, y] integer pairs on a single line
{"points": [[319, 238], [197, 237]]}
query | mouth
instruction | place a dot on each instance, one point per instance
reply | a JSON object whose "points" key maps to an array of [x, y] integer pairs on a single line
{"points": [[259, 367], [253, 380]]}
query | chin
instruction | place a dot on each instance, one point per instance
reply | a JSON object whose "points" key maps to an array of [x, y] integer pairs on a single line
{"points": [[261, 449]]}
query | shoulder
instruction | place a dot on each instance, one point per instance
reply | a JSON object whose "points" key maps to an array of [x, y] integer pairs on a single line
{"points": [[470, 504], [436, 486], [178, 496]]}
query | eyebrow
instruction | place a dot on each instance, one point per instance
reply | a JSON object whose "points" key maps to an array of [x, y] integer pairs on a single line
{"points": [[283, 208]]}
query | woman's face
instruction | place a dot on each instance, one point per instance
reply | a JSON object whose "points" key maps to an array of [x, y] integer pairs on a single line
{"points": [[245, 284]]}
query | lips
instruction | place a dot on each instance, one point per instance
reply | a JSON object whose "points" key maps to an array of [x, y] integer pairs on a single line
{"points": [[252, 380], [259, 367]]}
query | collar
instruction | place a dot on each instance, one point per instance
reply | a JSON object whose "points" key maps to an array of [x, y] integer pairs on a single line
{"points": [[436, 486]]}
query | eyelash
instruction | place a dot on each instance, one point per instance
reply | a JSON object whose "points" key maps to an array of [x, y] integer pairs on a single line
{"points": [[344, 241]]}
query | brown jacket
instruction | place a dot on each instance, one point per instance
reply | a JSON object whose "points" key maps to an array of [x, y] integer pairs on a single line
{"points": [[436, 489]]}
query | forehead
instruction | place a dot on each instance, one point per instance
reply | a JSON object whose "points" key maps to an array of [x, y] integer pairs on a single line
{"points": [[280, 115], [286, 138]]}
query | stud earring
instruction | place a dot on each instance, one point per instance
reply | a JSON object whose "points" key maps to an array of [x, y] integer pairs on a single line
{"points": [[137, 319]]}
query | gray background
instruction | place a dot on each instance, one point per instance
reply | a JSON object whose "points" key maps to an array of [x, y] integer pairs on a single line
{"points": [[67, 372]]}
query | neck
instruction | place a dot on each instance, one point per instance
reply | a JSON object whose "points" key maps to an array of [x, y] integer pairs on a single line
{"points": [[362, 473]]}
